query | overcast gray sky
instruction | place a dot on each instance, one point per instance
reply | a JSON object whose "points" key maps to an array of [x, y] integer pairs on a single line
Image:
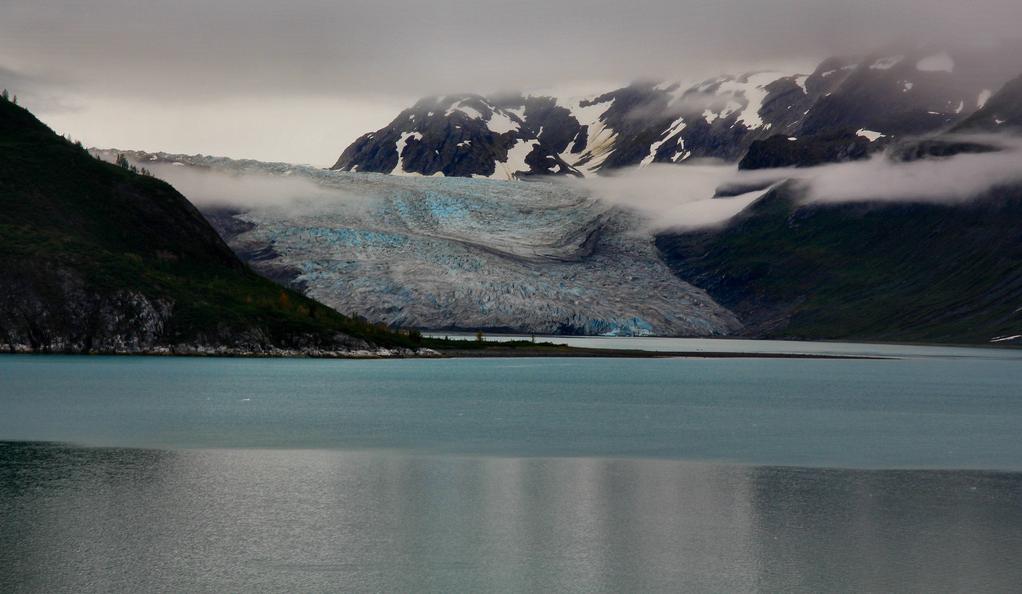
{"points": [[298, 80]]}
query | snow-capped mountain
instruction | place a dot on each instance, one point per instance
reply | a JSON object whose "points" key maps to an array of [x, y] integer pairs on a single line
{"points": [[463, 136], [516, 137], [885, 95]]}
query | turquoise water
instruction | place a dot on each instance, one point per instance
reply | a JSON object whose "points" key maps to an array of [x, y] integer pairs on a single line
{"points": [[129, 474], [913, 413]]}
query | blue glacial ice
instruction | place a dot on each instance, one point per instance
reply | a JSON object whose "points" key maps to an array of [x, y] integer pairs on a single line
{"points": [[457, 253]]}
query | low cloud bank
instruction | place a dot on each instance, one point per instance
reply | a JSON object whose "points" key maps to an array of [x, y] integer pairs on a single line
{"points": [[246, 191], [206, 188], [673, 196], [953, 179], [681, 197], [666, 196]]}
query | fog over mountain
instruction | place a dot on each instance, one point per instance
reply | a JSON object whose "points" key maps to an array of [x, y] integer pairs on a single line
{"points": [[292, 82], [684, 197]]}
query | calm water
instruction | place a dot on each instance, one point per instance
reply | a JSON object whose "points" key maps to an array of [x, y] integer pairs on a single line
{"points": [[596, 475]]}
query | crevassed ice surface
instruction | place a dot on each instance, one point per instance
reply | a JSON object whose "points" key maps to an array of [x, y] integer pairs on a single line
{"points": [[444, 253]]}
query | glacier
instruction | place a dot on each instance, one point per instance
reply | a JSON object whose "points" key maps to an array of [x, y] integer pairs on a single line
{"points": [[451, 253]]}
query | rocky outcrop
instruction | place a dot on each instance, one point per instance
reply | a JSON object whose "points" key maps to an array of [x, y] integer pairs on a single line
{"points": [[83, 320], [808, 151]]}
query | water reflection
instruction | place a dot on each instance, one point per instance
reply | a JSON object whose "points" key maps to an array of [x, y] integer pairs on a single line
{"points": [[132, 520]]}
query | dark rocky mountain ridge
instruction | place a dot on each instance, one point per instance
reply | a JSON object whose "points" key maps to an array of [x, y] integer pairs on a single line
{"points": [[891, 94]]}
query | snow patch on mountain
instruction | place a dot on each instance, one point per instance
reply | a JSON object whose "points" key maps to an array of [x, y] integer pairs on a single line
{"points": [[515, 162], [939, 62], [984, 96], [400, 146], [599, 138], [465, 109], [753, 90], [499, 123], [676, 127], [869, 134], [886, 63]]}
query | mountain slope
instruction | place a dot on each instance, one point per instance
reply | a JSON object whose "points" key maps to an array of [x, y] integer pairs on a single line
{"points": [[95, 258], [1002, 112], [865, 271], [881, 270]]}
